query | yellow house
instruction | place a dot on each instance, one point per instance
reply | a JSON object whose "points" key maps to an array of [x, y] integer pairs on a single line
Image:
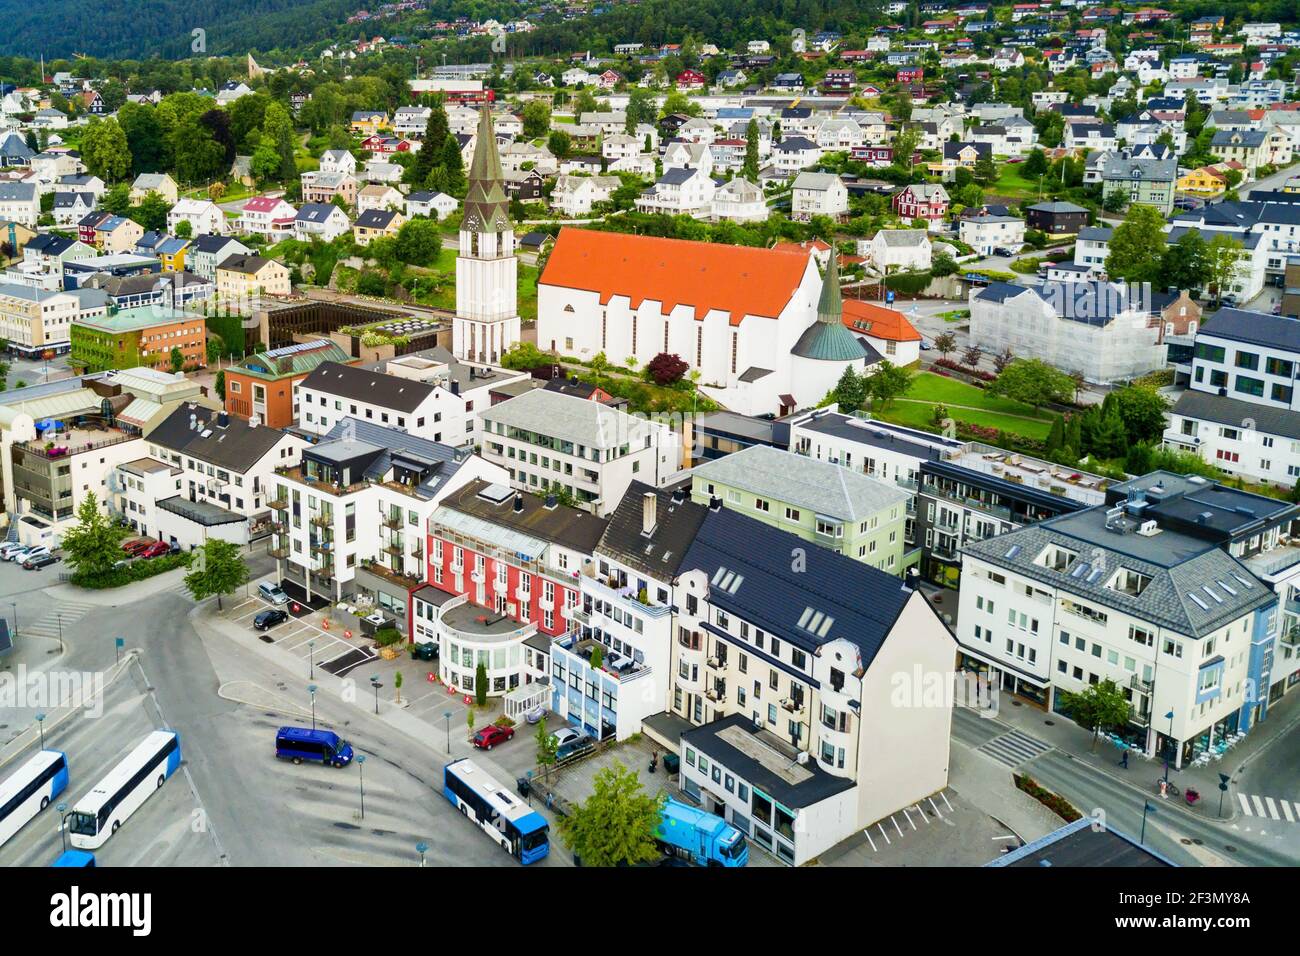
{"points": [[369, 122], [172, 255], [374, 223], [1205, 181], [241, 280], [159, 183], [117, 234]]}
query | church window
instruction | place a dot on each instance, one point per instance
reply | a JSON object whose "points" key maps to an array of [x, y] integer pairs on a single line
{"points": [[699, 347]]}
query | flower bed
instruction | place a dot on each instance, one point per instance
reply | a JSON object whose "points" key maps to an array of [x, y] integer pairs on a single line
{"points": [[1054, 802]]}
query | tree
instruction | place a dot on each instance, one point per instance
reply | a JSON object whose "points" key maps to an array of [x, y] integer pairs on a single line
{"points": [[559, 143], [945, 342], [151, 214], [1035, 165], [419, 242], [436, 132], [666, 368], [942, 265], [145, 137], [220, 384], [1002, 360], [1142, 410], [1096, 706], [524, 356], [92, 546], [184, 229], [850, 392], [177, 359], [1186, 263], [536, 117], [216, 568], [750, 168], [1137, 246], [887, 383], [972, 356], [616, 825], [546, 747], [278, 133], [1224, 253], [397, 685], [481, 684], [1033, 382], [104, 150], [454, 165]]}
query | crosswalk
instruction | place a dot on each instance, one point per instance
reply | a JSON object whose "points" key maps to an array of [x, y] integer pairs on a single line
{"points": [[1014, 748], [1253, 805], [55, 622]]}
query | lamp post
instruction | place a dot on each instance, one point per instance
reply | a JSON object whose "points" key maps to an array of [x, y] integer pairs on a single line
{"points": [[422, 848], [59, 616], [446, 715], [14, 605], [311, 689], [62, 810], [375, 683], [40, 724], [1223, 788], [361, 768], [1170, 717], [1146, 808], [311, 656]]}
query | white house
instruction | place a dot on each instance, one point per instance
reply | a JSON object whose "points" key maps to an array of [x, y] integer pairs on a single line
{"points": [[740, 201], [204, 216], [894, 250], [818, 194]]}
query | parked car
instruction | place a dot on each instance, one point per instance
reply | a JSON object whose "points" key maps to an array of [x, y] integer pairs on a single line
{"points": [[39, 551], [155, 550], [272, 592], [133, 548], [16, 553], [925, 346], [270, 618], [40, 561], [491, 735], [535, 715], [424, 651], [574, 748], [566, 734]]}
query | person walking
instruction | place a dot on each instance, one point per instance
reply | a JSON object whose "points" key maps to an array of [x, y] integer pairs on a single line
{"points": [[1123, 760]]}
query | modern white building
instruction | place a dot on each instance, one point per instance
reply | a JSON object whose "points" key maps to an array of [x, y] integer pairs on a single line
{"points": [[591, 450]]}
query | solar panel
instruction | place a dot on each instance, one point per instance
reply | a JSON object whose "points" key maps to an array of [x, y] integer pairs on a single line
{"points": [[1013, 551], [1080, 570], [1199, 603], [1095, 576]]}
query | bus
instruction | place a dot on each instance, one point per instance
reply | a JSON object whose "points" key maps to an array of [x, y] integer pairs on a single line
{"points": [[99, 813], [519, 830], [75, 858], [30, 790]]}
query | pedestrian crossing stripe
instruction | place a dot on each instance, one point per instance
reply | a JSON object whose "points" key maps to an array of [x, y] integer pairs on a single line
{"points": [[1252, 805]]}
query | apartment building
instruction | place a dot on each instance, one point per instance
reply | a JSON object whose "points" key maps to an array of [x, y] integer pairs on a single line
{"points": [[511, 564], [34, 321], [351, 518], [262, 385], [594, 452], [147, 335], [243, 279], [861, 517], [1139, 590]]}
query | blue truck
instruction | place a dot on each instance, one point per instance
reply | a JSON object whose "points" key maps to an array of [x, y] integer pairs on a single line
{"points": [[704, 838]]}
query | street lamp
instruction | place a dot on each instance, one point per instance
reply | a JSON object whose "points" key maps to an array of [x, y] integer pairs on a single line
{"points": [[1146, 808], [311, 689], [422, 848], [14, 605], [361, 768], [1170, 717], [376, 684], [446, 714], [311, 651], [62, 810], [59, 615], [40, 723], [1223, 788]]}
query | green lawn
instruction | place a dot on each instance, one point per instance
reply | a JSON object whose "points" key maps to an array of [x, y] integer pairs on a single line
{"points": [[916, 408]]}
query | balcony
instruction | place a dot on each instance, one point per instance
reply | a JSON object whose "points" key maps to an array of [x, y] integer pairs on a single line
{"points": [[793, 705], [611, 589], [1290, 635], [716, 663], [323, 519], [391, 522], [613, 663], [1138, 684], [321, 546], [718, 696], [1174, 436], [279, 552], [277, 504]]}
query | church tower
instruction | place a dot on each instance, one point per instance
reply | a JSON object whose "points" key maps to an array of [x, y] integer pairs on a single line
{"points": [[487, 315]]}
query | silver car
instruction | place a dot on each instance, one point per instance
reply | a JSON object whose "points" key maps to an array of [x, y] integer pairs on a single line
{"points": [[272, 593]]}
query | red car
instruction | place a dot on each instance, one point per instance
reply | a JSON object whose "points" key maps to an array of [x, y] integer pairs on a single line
{"points": [[155, 550], [490, 736], [135, 547]]}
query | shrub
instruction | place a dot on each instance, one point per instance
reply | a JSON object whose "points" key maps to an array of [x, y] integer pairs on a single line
{"points": [[138, 570], [1054, 802], [387, 636]]}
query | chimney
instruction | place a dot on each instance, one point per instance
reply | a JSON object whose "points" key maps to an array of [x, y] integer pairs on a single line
{"points": [[715, 503], [552, 502], [223, 420], [519, 501], [649, 518]]}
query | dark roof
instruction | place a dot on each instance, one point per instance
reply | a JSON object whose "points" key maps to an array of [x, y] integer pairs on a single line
{"points": [[1056, 207], [862, 602], [793, 796], [1255, 328], [363, 385], [433, 461], [236, 445], [1000, 292], [1081, 844], [570, 527], [870, 433], [200, 512], [1223, 410], [659, 554], [376, 218], [951, 149]]}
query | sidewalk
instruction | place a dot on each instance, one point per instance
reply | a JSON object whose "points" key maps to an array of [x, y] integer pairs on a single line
{"points": [[995, 793], [1065, 735]]}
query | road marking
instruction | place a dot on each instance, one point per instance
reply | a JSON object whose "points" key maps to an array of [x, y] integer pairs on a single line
{"points": [[1272, 808], [909, 818], [867, 833], [1286, 811], [1259, 805], [917, 808], [1245, 804], [884, 834], [945, 800]]}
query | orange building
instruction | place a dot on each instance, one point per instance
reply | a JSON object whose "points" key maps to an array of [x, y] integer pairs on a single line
{"points": [[262, 384]]}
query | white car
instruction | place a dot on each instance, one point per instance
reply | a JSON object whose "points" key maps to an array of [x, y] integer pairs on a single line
{"points": [[9, 548], [272, 593], [39, 551], [17, 554], [564, 735]]}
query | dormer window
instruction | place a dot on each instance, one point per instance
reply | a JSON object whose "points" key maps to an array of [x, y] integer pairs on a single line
{"points": [[1057, 558], [1130, 582]]}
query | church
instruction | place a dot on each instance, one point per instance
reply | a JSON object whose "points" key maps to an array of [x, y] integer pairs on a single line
{"points": [[762, 326], [487, 311]]}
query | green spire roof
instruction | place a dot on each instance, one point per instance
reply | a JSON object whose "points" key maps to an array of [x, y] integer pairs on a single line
{"points": [[827, 340], [487, 208]]}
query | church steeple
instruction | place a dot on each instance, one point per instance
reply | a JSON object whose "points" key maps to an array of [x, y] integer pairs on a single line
{"points": [[487, 208], [830, 307], [827, 340]]}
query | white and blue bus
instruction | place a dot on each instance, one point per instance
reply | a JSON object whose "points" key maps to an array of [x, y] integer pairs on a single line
{"points": [[30, 790], [520, 831], [99, 813]]}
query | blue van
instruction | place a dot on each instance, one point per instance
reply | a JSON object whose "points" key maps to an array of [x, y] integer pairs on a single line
{"points": [[75, 858], [323, 746]]}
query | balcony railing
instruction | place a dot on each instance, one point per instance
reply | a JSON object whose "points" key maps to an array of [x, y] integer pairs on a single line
{"points": [[793, 705], [276, 504], [392, 523], [322, 519]]}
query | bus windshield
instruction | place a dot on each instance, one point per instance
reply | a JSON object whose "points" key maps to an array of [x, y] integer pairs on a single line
{"points": [[531, 841], [82, 823]]}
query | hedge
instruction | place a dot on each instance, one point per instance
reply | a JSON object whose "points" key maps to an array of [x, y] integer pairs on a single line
{"points": [[1054, 802], [137, 570], [909, 283]]}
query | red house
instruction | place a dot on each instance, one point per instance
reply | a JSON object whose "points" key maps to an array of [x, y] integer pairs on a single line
{"points": [[690, 80], [922, 201], [385, 144], [911, 74], [87, 226]]}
